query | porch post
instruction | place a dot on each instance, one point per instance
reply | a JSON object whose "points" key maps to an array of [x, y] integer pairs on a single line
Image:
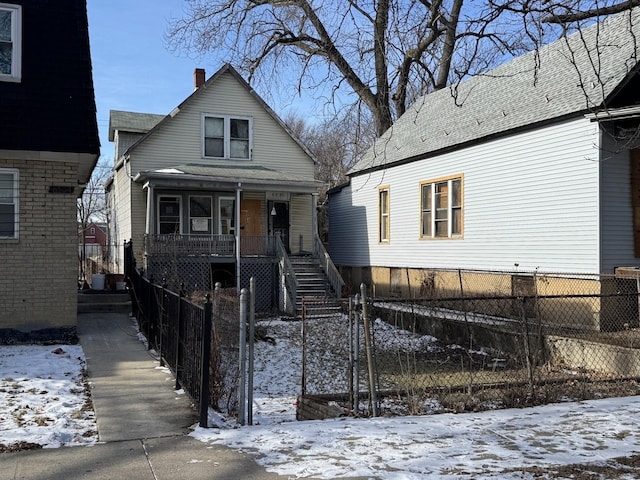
{"points": [[148, 229], [314, 215], [237, 229]]}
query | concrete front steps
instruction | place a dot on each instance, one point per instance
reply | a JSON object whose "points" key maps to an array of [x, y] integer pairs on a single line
{"points": [[95, 301]]}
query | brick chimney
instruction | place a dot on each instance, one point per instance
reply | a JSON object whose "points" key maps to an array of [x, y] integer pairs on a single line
{"points": [[198, 78]]}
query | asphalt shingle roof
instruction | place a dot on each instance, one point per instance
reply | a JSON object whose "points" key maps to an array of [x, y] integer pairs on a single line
{"points": [[570, 76], [132, 122]]}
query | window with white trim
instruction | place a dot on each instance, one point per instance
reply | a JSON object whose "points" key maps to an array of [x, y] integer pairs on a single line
{"points": [[226, 214], [227, 137], [9, 211], [10, 42], [169, 215], [441, 208], [200, 215], [383, 214]]}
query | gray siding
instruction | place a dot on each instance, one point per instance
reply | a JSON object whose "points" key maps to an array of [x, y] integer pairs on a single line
{"points": [[178, 141], [616, 210]]}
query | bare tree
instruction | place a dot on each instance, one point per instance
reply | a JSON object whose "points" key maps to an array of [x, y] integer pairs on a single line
{"points": [[92, 207], [381, 54]]}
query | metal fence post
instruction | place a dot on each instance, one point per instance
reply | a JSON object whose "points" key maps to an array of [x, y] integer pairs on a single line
{"points": [[179, 349], [204, 367], [242, 358], [252, 334], [163, 313], [356, 354], [367, 343]]}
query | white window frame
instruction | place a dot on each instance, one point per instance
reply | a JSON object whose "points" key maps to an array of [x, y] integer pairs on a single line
{"points": [[384, 214], [15, 201], [209, 219], [450, 209], [162, 197], [16, 42], [232, 225], [227, 135]]}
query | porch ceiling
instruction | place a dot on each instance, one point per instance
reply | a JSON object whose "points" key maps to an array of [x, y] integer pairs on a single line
{"points": [[246, 177]]}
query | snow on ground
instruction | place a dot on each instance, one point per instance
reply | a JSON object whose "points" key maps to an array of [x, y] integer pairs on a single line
{"points": [[42, 400], [42, 397], [464, 446]]}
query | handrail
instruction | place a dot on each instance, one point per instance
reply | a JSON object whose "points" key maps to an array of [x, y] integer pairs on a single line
{"points": [[289, 275], [330, 270]]}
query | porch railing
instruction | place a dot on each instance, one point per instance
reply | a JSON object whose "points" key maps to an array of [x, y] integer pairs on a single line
{"points": [[330, 270], [217, 245], [288, 282]]}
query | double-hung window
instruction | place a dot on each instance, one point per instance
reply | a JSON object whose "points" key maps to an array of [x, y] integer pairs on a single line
{"points": [[8, 203], [169, 215], [10, 42], [200, 215], [383, 214], [441, 208], [227, 137]]}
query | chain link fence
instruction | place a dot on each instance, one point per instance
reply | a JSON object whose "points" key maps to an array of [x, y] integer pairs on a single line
{"points": [[476, 340]]}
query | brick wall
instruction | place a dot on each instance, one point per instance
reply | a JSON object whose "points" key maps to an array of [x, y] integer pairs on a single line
{"points": [[38, 272]]}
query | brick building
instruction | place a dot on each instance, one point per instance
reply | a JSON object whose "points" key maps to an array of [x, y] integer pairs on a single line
{"points": [[48, 148]]}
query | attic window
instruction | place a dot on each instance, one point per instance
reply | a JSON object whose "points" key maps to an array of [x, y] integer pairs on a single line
{"points": [[10, 42], [227, 137]]}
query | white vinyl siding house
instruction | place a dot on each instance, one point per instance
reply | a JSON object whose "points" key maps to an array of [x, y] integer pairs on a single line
{"points": [[543, 169], [521, 200], [200, 184]]}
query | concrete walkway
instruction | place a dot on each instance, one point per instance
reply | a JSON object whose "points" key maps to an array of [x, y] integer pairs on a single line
{"points": [[142, 421]]}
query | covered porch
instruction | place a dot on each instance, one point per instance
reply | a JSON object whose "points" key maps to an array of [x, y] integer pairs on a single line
{"points": [[203, 221]]}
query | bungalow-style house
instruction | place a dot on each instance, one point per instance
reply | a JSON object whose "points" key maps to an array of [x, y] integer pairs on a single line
{"points": [[218, 190], [48, 148], [533, 166]]}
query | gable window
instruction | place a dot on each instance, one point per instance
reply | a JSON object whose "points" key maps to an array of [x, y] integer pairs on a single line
{"points": [[200, 215], [8, 203], [441, 208], [168, 215], [10, 42], [227, 137], [383, 214]]}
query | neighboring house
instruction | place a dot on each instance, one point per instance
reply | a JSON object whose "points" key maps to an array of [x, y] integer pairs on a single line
{"points": [[533, 166], [48, 148], [94, 234], [209, 191], [93, 241]]}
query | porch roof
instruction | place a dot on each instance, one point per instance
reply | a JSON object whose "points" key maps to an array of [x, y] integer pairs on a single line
{"points": [[246, 177]]}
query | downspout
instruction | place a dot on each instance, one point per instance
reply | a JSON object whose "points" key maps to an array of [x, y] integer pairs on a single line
{"points": [[237, 228], [148, 229]]}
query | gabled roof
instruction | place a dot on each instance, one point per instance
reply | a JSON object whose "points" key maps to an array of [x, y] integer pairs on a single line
{"points": [[227, 68], [131, 122], [571, 76]]}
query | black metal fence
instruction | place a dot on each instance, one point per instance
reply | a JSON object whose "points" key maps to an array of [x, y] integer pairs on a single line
{"points": [[195, 341]]}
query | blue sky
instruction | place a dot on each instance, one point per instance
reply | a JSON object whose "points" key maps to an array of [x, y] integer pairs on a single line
{"points": [[133, 69]]}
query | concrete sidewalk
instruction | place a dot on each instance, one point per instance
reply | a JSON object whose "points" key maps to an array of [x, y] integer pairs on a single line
{"points": [[142, 421]]}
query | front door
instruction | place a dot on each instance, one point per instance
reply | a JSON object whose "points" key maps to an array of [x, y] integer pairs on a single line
{"points": [[279, 216], [251, 235]]}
